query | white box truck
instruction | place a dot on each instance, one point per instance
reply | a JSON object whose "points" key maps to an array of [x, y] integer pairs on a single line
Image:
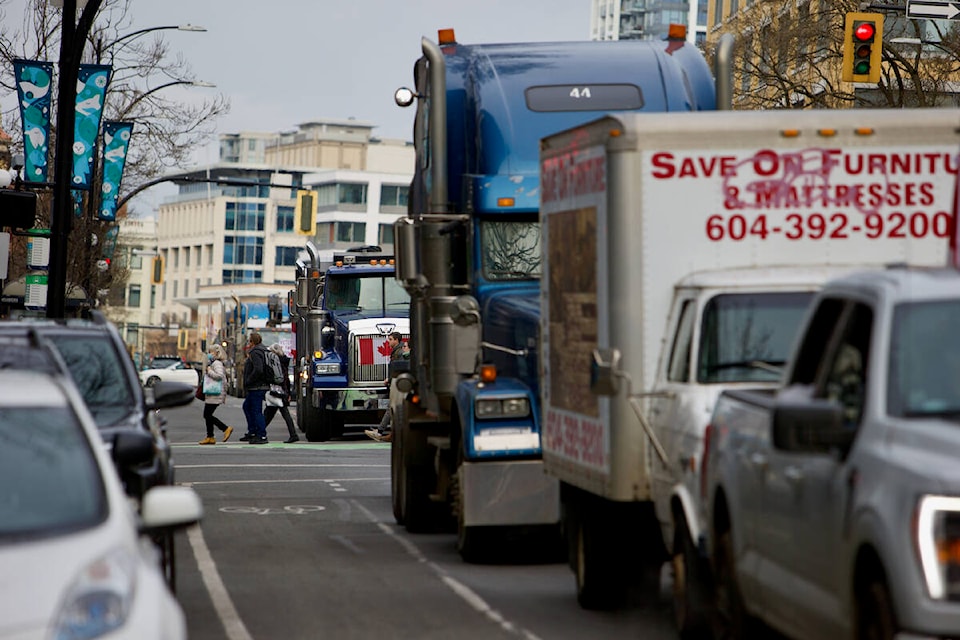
{"points": [[680, 254]]}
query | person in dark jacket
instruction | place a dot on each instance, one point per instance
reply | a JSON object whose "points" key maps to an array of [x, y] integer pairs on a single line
{"points": [[282, 403], [256, 381]]}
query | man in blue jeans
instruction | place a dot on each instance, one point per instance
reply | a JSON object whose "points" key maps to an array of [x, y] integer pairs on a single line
{"points": [[256, 384]]}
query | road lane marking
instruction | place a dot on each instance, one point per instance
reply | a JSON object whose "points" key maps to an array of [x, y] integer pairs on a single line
{"points": [[465, 593], [280, 466], [196, 483], [222, 603]]}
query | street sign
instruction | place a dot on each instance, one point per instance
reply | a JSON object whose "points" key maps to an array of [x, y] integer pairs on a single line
{"points": [[933, 10]]}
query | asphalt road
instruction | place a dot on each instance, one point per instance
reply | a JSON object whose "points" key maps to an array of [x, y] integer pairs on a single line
{"points": [[298, 541]]}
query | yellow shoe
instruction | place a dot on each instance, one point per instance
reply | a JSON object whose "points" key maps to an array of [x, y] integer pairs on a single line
{"points": [[226, 434], [209, 441]]}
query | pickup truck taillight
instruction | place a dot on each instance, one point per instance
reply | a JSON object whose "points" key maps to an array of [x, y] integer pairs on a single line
{"points": [[707, 434]]}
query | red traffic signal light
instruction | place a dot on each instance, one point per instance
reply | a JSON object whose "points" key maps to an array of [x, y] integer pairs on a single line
{"points": [[862, 47]]}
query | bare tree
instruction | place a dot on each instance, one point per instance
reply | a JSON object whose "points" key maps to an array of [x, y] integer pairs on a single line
{"points": [[166, 130], [789, 55]]}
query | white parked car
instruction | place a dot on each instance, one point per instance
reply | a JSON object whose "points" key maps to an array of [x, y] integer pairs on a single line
{"points": [[76, 560], [176, 372]]}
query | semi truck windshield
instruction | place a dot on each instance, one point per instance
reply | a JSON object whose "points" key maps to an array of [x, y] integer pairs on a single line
{"points": [[510, 249], [371, 294]]}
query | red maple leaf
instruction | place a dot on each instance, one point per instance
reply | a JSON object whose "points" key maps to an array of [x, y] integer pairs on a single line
{"points": [[384, 349]]}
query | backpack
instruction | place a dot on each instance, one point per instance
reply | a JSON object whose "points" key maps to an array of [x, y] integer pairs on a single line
{"points": [[274, 369]]}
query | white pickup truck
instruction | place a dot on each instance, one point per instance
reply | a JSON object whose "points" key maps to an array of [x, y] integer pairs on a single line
{"points": [[833, 502]]}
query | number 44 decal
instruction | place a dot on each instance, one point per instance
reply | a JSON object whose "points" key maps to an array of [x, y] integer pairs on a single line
{"points": [[580, 92]]}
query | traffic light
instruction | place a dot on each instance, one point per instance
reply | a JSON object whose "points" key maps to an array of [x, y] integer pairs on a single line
{"points": [[156, 273], [182, 340], [862, 47], [306, 213]]}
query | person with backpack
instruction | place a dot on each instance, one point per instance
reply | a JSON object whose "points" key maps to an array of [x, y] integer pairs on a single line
{"points": [[278, 397], [257, 379]]}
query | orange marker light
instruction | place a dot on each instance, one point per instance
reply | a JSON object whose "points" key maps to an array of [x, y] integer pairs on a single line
{"points": [[863, 131], [790, 133], [446, 36], [677, 32], [505, 202], [827, 133], [488, 373]]}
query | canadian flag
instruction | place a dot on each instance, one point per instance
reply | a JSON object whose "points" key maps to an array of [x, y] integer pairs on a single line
{"points": [[373, 350]]}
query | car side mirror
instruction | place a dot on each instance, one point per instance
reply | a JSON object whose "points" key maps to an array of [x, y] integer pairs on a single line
{"points": [[605, 372], [169, 394]]}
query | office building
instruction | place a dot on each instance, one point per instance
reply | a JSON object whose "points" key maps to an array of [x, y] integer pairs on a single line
{"points": [[647, 19]]}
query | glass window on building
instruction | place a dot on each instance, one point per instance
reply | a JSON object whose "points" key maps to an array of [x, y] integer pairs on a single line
{"points": [[286, 256], [136, 260], [244, 216], [353, 193], [209, 254], [717, 11], [175, 288], [351, 231], [385, 235], [176, 257], [133, 296], [284, 219], [186, 256], [239, 276], [153, 296], [242, 250], [394, 195], [133, 333], [186, 288]]}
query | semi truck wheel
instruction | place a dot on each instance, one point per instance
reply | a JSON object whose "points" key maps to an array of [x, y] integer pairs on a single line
{"points": [[416, 478], [316, 423]]}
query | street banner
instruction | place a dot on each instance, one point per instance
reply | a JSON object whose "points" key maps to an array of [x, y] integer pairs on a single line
{"points": [[34, 82], [116, 139], [92, 83]]}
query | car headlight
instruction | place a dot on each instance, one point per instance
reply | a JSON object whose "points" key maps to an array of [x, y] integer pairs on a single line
{"points": [[938, 543], [326, 369], [100, 598], [488, 408]]}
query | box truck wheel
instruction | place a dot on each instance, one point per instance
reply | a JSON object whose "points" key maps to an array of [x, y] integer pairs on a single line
{"points": [[691, 588], [600, 582]]}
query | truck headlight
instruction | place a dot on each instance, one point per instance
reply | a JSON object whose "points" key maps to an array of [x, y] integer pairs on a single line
{"points": [[322, 369], [488, 408], [938, 543]]}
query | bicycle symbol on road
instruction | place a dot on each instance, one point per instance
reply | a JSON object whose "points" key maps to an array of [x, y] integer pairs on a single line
{"points": [[292, 510]]}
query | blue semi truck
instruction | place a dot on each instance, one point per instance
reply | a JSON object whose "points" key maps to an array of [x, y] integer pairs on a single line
{"points": [[466, 448], [342, 313]]}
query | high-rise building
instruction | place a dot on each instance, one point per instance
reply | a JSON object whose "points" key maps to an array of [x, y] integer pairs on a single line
{"points": [[647, 19]]}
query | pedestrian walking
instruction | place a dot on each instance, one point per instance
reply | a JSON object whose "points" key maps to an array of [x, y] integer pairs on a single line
{"points": [[214, 378], [256, 382], [281, 403], [399, 350]]}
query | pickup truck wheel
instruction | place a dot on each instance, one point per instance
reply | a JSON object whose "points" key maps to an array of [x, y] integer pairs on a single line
{"points": [[691, 589], [875, 619], [731, 620]]}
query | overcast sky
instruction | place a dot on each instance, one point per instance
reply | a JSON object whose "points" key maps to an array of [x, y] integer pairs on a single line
{"points": [[283, 62]]}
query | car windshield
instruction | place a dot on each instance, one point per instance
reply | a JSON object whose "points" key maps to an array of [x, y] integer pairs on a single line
{"points": [[510, 249], [747, 337], [162, 362], [924, 367], [49, 478], [98, 374], [371, 294]]}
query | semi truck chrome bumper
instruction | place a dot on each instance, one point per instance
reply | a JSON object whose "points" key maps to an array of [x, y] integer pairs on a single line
{"points": [[508, 493], [352, 399]]}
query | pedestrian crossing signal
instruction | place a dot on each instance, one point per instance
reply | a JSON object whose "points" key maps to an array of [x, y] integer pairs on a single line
{"points": [[306, 213]]}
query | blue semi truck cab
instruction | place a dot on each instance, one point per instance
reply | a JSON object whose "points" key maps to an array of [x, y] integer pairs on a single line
{"points": [[342, 313], [466, 442]]}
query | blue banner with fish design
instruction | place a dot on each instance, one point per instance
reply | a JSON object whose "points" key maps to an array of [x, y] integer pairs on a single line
{"points": [[34, 83], [92, 83], [116, 139]]}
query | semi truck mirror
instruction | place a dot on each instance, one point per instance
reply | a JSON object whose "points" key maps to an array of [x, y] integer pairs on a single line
{"points": [[605, 372], [405, 245]]}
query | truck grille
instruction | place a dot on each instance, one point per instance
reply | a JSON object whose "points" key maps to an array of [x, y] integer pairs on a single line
{"points": [[369, 357]]}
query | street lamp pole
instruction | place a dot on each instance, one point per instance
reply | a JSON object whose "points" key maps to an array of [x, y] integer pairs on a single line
{"points": [[73, 35]]}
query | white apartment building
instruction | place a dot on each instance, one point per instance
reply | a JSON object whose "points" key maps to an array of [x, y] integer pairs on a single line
{"points": [[227, 238]]}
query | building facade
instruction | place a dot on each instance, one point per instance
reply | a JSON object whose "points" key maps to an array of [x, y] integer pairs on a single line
{"points": [[647, 19]]}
